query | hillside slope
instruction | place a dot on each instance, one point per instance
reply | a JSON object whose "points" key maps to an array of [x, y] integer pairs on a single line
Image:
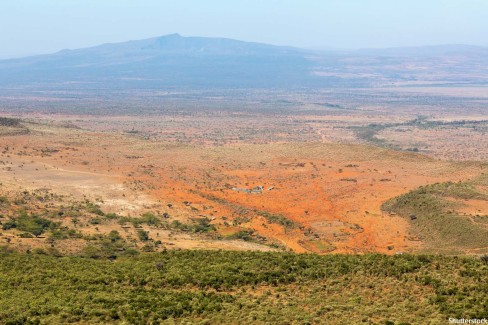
{"points": [[223, 287]]}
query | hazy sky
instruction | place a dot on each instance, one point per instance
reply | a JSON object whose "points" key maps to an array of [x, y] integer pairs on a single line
{"points": [[43, 26]]}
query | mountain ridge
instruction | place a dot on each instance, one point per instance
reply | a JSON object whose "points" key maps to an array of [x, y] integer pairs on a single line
{"points": [[177, 61], [394, 50]]}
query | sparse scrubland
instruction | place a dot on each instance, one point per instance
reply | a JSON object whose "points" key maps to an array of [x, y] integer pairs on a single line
{"points": [[435, 216]]}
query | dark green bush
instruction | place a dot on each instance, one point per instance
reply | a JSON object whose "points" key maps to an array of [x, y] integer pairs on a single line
{"points": [[143, 235]]}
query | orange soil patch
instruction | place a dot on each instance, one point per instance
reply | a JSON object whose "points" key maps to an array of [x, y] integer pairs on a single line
{"points": [[331, 192]]}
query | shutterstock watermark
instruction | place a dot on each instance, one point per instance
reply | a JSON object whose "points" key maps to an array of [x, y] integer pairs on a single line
{"points": [[468, 321]]}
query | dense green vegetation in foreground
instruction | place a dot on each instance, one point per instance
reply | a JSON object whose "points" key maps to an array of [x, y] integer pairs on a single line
{"points": [[241, 287]]}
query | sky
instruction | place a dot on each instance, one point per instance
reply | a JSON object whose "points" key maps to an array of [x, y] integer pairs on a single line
{"points": [[30, 27]]}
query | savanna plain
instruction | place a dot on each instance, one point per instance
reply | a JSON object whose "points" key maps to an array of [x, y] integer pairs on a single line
{"points": [[341, 206]]}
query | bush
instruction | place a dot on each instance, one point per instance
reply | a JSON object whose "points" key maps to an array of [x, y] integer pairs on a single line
{"points": [[9, 225], [246, 235], [143, 235], [94, 208], [95, 221], [51, 251], [111, 216], [148, 248], [277, 219], [65, 233], [203, 225], [30, 223], [114, 236], [150, 219], [484, 259], [4, 200]]}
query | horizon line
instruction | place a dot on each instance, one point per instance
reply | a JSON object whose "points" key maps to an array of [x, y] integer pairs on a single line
{"points": [[310, 48]]}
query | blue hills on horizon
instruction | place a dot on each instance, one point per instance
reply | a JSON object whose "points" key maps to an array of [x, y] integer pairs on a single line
{"points": [[177, 61]]}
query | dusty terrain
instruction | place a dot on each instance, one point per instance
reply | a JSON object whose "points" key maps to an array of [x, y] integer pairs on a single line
{"points": [[305, 171], [315, 196]]}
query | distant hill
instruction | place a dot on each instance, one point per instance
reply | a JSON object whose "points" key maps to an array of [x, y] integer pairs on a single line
{"points": [[177, 61], [170, 60]]}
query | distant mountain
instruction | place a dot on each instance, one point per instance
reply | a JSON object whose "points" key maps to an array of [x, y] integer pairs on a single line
{"points": [[176, 61], [169, 45], [170, 60]]}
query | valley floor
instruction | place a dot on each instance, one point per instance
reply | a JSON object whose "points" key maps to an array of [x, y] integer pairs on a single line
{"points": [[298, 196]]}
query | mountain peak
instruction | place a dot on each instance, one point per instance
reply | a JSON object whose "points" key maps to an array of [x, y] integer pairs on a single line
{"points": [[191, 45], [174, 35]]}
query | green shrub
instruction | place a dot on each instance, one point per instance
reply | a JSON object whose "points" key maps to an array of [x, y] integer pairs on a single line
{"points": [[111, 216], [114, 236], [95, 221], [143, 235], [277, 219], [9, 225], [94, 208], [65, 233], [150, 219], [30, 223], [26, 235], [246, 235]]}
